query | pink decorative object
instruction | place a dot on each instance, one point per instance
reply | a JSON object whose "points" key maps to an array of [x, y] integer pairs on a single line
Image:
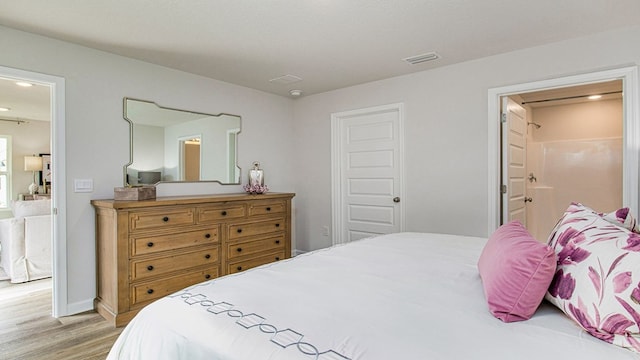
{"points": [[597, 280], [516, 271], [255, 189]]}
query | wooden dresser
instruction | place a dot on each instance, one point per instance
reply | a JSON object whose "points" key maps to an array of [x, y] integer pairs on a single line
{"points": [[151, 248]]}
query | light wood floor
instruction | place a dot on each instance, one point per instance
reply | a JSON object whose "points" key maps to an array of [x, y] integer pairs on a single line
{"points": [[28, 331]]}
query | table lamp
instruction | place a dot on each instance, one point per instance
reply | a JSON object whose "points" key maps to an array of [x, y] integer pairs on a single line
{"points": [[33, 164]]}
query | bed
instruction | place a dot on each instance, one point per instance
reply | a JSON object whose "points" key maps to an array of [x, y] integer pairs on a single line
{"points": [[398, 296]]}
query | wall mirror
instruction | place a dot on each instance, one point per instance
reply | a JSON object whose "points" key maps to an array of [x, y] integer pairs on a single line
{"points": [[172, 145]]}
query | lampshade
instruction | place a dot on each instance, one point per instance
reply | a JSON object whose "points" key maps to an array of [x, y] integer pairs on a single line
{"points": [[32, 163]]}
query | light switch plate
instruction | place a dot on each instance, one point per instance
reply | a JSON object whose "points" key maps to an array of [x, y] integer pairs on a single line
{"points": [[82, 185]]}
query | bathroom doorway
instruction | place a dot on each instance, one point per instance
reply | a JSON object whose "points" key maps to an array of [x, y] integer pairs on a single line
{"points": [[573, 151], [630, 139]]}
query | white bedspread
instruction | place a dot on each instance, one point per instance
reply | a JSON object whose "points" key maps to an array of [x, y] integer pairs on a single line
{"points": [[401, 296]]}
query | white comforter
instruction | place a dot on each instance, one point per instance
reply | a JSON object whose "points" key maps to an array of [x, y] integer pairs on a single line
{"points": [[401, 296]]}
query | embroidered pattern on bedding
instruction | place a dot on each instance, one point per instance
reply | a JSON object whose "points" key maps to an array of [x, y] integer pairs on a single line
{"points": [[283, 338]]}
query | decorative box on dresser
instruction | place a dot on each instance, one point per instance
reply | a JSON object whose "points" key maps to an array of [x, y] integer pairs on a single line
{"points": [[151, 248]]}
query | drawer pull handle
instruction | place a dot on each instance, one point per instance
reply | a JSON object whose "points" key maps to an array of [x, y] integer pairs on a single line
{"points": [[150, 244], [207, 256], [165, 219], [207, 276], [268, 209], [239, 268], [150, 267], [224, 213], [239, 249], [277, 241], [207, 235], [277, 225], [150, 291], [277, 258], [239, 231]]}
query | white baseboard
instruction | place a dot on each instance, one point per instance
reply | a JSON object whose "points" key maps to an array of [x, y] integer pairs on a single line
{"points": [[297, 252], [79, 307]]}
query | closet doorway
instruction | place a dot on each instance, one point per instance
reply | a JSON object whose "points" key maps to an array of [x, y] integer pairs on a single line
{"points": [[629, 139], [58, 194], [367, 156]]}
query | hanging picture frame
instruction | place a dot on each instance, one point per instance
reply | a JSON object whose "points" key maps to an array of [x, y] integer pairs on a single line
{"points": [[45, 173]]}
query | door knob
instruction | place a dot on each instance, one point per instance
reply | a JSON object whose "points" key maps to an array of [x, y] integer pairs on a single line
{"points": [[396, 199], [528, 199]]}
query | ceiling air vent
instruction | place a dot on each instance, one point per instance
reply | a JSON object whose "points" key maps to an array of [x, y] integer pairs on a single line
{"points": [[285, 79], [418, 59]]}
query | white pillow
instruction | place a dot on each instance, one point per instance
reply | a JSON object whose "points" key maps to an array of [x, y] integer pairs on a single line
{"points": [[622, 217], [31, 208], [597, 279]]}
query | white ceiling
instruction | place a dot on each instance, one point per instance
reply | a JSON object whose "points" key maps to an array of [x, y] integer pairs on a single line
{"points": [[608, 90], [25, 104], [330, 44]]}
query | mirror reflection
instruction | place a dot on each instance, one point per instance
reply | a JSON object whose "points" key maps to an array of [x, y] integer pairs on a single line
{"points": [[169, 145]]}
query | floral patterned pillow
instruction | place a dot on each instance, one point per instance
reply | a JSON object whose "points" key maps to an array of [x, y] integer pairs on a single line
{"points": [[623, 217], [597, 280]]}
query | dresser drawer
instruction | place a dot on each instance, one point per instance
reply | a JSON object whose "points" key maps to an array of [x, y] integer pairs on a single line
{"points": [[141, 269], [141, 245], [237, 231], [253, 262], [208, 214], [267, 207], [161, 219], [151, 290], [248, 248]]}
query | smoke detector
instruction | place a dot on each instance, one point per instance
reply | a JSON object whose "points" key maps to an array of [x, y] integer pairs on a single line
{"points": [[295, 93], [418, 59]]}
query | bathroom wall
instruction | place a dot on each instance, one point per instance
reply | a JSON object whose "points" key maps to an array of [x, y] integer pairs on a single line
{"points": [[576, 156]]}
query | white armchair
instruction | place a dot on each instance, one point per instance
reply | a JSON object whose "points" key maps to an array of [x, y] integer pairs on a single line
{"points": [[25, 241]]}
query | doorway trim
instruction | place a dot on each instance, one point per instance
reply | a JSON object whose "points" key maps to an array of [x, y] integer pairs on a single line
{"points": [[630, 129], [337, 192], [60, 305]]}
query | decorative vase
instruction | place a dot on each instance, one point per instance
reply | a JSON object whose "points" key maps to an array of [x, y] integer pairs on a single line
{"points": [[256, 180]]}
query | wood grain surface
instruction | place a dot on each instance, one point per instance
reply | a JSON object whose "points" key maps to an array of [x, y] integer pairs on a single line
{"points": [[28, 331]]}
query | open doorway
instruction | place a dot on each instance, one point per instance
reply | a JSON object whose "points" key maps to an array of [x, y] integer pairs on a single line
{"points": [[630, 132], [25, 197], [56, 115], [190, 158], [572, 152]]}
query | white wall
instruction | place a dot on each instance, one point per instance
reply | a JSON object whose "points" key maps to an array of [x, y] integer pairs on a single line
{"points": [[445, 131], [149, 154], [97, 136]]}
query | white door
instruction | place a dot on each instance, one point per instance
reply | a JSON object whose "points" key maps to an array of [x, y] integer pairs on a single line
{"points": [[514, 133], [367, 168]]}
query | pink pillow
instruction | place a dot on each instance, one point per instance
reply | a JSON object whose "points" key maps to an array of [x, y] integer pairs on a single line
{"points": [[516, 271]]}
